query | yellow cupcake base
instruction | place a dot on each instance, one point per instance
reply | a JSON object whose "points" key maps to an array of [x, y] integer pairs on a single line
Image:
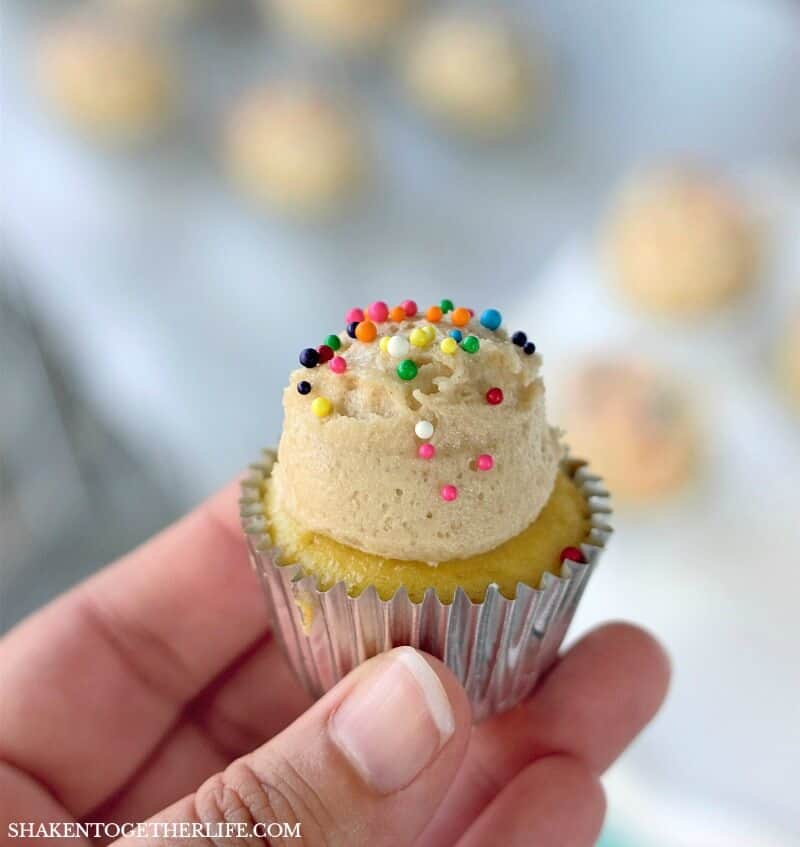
{"points": [[564, 522]]}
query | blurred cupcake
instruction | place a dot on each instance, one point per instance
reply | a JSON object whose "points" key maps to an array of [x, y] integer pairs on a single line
{"points": [[296, 149], [420, 497], [106, 78], [680, 243], [341, 24], [159, 10], [788, 360], [472, 73], [636, 425]]}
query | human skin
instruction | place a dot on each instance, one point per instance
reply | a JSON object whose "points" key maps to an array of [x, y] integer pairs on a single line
{"points": [[155, 689]]}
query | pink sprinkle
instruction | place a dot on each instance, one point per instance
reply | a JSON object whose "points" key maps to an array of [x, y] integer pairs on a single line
{"points": [[409, 307], [353, 315], [471, 312], [449, 493], [378, 311], [485, 462], [338, 365], [426, 451]]}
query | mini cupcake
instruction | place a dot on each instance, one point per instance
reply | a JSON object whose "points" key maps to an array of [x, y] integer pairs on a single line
{"points": [[350, 25], [159, 11], [472, 73], [107, 79], [680, 243], [788, 361], [635, 423], [419, 496], [296, 149]]}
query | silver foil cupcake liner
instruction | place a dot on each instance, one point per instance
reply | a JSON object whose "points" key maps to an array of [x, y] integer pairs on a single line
{"points": [[497, 648]]}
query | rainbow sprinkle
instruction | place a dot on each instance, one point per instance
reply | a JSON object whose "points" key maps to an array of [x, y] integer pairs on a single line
{"points": [[363, 326]]}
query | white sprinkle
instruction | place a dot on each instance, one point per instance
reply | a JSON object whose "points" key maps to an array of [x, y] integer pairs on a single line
{"points": [[424, 429], [398, 346]]}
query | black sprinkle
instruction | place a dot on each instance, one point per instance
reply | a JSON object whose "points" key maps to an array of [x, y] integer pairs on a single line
{"points": [[309, 358], [303, 387], [530, 348], [519, 338], [351, 329]]}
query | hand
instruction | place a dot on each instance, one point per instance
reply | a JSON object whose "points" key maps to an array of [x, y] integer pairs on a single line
{"points": [[155, 685]]}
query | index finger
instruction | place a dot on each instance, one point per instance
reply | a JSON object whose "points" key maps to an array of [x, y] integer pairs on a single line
{"points": [[592, 704], [107, 668]]}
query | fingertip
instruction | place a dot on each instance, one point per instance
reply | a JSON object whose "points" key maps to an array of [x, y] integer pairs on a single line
{"points": [[222, 509], [401, 719], [641, 654], [574, 778], [572, 795], [459, 702], [556, 801]]}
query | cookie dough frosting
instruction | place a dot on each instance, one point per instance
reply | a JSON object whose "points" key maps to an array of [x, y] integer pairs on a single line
{"points": [[472, 72], [348, 24], [789, 360], [681, 243], [637, 425], [106, 78], [159, 10], [417, 435], [296, 148]]}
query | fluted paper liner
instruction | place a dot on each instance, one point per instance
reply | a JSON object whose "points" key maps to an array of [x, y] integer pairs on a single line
{"points": [[496, 648]]}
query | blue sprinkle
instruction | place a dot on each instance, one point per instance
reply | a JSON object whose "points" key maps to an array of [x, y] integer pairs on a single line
{"points": [[457, 334], [491, 319]]}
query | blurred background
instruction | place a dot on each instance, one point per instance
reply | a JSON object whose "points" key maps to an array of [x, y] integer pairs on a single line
{"points": [[192, 188]]}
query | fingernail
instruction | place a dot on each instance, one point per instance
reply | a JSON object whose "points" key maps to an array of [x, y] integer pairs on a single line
{"points": [[394, 722]]}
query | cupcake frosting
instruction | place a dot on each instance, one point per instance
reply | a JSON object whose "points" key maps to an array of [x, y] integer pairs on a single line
{"points": [[417, 435], [637, 424], [789, 359], [681, 242], [106, 77]]}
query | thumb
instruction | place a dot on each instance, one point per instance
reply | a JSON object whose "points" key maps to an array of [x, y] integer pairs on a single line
{"points": [[368, 764]]}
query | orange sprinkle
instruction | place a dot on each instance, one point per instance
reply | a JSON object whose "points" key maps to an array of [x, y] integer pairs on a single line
{"points": [[460, 316], [397, 314], [434, 314], [366, 331]]}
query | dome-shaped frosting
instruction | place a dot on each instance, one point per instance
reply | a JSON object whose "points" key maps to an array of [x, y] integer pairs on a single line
{"points": [[681, 242], [296, 149], [105, 77], [471, 71], [347, 24], [789, 359], [636, 423], [413, 444]]}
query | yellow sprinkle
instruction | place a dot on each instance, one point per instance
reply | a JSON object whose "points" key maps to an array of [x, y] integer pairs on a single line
{"points": [[384, 343], [419, 338], [449, 346], [321, 407], [430, 331]]}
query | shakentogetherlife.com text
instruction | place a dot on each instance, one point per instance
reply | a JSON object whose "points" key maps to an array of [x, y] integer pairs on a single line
{"points": [[152, 829]]}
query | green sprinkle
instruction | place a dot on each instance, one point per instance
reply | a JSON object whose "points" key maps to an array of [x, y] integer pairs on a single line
{"points": [[333, 342], [446, 306], [407, 369], [471, 344]]}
